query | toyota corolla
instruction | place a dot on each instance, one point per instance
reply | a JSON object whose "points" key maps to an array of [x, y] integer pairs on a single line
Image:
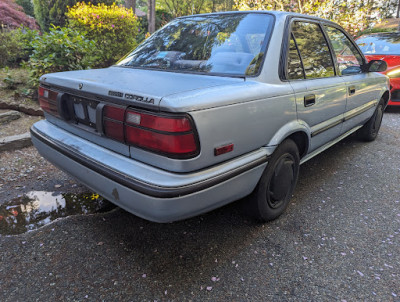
{"points": [[209, 109]]}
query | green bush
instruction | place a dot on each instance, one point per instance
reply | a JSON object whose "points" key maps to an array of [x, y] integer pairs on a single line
{"points": [[15, 46], [10, 48], [27, 6], [61, 49], [53, 11], [113, 28]]}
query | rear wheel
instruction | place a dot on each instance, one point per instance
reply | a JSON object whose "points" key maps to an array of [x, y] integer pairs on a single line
{"points": [[274, 190], [370, 130]]}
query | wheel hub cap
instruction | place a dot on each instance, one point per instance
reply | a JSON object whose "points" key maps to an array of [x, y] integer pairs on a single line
{"points": [[281, 182]]}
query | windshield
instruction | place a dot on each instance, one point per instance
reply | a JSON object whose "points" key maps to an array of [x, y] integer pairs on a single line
{"points": [[382, 44], [232, 44]]}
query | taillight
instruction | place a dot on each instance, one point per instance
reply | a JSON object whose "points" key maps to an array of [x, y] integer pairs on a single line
{"points": [[48, 100], [113, 121], [173, 136]]}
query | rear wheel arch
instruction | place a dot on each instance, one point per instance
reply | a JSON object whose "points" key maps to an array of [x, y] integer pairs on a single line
{"points": [[296, 130], [301, 140]]}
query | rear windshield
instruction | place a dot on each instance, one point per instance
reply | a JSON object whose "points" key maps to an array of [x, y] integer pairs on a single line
{"points": [[382, 44], [232, 44]]}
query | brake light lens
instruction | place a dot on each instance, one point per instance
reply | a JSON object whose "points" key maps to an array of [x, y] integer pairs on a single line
{"points": [[167, 143], [114, 122], [173, 136], [48, 100]]}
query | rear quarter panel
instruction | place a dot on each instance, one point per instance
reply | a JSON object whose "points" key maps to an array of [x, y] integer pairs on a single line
{"points": [[247, 115]]}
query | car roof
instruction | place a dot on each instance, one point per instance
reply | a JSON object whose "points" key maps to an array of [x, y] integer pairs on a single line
{"points": [[382, 34], [277, 14]]}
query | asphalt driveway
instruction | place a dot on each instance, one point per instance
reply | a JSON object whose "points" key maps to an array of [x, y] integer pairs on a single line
{"points": [[339, 240]]}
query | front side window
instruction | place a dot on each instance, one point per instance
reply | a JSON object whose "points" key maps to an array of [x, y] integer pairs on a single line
{"points": [[348, 58], [314, 50], [232, 44]]}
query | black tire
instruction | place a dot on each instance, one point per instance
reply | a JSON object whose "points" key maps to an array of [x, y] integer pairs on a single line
{"points": [[274, 190], [370, 130]]}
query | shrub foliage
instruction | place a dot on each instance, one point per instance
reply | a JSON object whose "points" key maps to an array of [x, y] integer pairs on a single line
{"points": [[113, 28], [15, 46], [49, 12], [27, 6], [60, 49], [12, 16]]}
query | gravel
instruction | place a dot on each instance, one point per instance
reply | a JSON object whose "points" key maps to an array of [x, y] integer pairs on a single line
{"points": [[339, 240], [25, 170]]}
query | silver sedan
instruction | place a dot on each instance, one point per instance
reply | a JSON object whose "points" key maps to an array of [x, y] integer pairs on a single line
{"points": [[209, 109]]}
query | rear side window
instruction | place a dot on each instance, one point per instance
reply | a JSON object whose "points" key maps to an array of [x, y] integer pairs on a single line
{"points": [[348, 58], [313, 49], [295, 68]]}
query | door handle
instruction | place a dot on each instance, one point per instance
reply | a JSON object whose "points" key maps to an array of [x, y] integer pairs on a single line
{"points": [[352, 90], [309, 100]]}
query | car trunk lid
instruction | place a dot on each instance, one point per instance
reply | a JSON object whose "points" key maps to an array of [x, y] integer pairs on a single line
{"points": [[132, 87]]}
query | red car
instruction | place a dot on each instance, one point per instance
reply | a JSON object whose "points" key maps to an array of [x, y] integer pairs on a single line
{"points": [[385, 46]]}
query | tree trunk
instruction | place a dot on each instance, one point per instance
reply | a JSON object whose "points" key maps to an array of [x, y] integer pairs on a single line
{"points": [[398, 10], [151, 15], [131, 4]]}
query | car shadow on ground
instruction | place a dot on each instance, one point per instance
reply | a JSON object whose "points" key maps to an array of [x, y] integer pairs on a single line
{"points": [[393, 109]]}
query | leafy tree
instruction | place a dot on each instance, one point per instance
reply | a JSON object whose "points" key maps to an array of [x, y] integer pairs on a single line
{"points": [[220, 5], [179, 8], [353, 15], [387, 8], [12, 16], [113, 28], [27, 6], [49, 12]]}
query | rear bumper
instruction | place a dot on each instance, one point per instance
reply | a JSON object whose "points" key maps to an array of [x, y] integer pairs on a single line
{"points": [[141, 189]]}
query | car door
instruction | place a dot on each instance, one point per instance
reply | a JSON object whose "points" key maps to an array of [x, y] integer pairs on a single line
{"points": [[320, 93], [362, 87]]}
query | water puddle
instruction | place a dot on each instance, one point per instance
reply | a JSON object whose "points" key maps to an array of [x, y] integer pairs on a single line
{"points": [[38, 208]]}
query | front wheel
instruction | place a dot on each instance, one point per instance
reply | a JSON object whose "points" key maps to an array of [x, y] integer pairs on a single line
{"points": [[370, 130], [274, 190]]}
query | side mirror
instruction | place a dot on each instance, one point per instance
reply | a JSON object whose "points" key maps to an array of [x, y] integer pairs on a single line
{"points": [[376, 66]]}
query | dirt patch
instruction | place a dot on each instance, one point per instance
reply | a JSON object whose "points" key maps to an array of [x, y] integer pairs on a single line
{"points": [[18, 126], [15, 92]]}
